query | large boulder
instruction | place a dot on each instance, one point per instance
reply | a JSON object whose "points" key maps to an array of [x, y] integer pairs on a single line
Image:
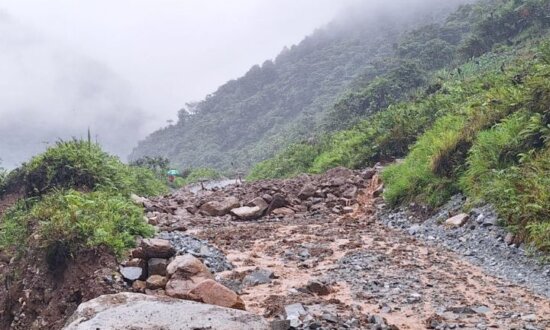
{"points": [[308, 190], [185, 273], [220, 208], [139, 311], [187, 266], [457, 221], [277, 201], [247, 212], [259, 202], [213, 293], [157, 248]]}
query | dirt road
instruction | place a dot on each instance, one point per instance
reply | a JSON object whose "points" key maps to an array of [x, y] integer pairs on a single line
{"points": [[368, 268]]}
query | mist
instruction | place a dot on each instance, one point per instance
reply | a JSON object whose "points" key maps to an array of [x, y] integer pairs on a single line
{"points": [[123, 68]]}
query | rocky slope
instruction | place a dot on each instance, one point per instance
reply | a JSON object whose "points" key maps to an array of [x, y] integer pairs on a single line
{"points": [[313, 252], [318, 252]]}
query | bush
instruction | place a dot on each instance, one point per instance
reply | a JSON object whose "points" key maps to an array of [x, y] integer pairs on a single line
{"points": [[295, 159], [84, 166], [196, 175], [75, 220]]}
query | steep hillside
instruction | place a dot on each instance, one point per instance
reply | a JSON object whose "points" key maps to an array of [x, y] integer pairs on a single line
{"points": [[248, 119], [481, 129]]}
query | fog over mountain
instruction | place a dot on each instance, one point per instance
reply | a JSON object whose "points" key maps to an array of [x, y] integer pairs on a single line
{"points": [[123, 68], [50, 92]]}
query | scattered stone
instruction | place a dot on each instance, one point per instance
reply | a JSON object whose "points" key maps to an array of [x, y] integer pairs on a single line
{"points": [[293, 313], [157, 248], [259, 202], [348, 210], [137, 199], [220, 208], [481, 309], [212, 257], [156, 282], [136, 262], [308, 190], [157, 266], [457, 221], [138, 311], [280, 325], [318, 288], [330, 318], [283, 212], [277, 202], [509, 239], [139, 286], [132, 273], [262, 276], [247, 212], [529, 318], [187, 266], [350, 193], [213, 293]]}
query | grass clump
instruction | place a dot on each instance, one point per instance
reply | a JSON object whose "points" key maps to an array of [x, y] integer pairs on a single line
{"points": [[87, 220], [197, 175], [82, 165], [75, 220], [76, 197]]}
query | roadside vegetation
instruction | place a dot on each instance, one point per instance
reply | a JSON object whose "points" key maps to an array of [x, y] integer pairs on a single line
{"points": [[478, 126], [75, 196]]}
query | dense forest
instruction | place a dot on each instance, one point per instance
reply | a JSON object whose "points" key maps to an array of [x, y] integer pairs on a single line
{"points": [[291, 98]]}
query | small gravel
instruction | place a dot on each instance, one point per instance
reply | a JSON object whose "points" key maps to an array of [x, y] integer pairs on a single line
{"points": [[480, 241], [212, 257]]}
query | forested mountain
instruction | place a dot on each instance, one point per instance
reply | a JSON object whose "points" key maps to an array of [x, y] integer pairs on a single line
{"points": [[480, 126], [288, 99]]}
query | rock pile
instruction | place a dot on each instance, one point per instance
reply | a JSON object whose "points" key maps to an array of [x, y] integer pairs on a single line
{"points": [[155, 270], [334, 192]]}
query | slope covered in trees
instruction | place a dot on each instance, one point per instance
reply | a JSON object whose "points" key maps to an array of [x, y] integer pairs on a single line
{"points": [[482, 129], [288, 99]]}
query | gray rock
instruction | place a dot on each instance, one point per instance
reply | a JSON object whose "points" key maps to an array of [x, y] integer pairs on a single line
{"points": [[220, 208], [133, 273], [247, 212], [457, 221], [318, 288], [157, 248], [280, 325], [139, 311], [293, 313], [330, 318], [259, 202], [262, 276], [308, 190], [157, 266]]}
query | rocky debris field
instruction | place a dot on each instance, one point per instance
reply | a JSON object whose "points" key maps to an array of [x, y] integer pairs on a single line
{"points": [[321, 252], [479, 239], [313, 252]]}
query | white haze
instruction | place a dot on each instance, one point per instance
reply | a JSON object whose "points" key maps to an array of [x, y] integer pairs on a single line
{"points": [[123, 67]]}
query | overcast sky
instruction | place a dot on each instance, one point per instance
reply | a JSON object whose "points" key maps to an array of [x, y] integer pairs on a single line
{"points": [[170, 52]]}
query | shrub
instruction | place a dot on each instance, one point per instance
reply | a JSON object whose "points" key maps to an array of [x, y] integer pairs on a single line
{"points": [[84, 166], [198, 174], [75, 220]]}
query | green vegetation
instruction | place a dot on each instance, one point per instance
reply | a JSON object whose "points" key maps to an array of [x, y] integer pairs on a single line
{"points": [[196, 175], [76, 197], [75, 220], [82, 165], [290, 99], [480, 127]]}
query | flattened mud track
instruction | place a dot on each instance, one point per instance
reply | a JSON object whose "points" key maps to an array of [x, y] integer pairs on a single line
{"points": [[370, 269]]}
